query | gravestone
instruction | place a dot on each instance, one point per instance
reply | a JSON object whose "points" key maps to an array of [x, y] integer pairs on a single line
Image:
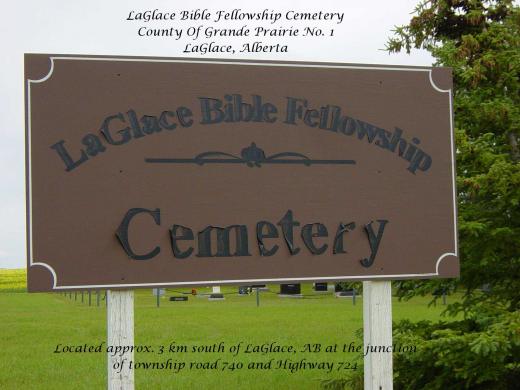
{"points": [[178, 299], [321, 287], [216, 297], [347, 293], [290, 290]]}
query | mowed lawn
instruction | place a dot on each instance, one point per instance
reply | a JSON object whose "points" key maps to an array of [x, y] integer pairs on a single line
{"points": [[32, 325]]}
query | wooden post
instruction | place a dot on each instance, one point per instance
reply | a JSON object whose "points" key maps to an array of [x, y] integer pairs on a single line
{"points": [[120, 329], [257, 297], [377, 332]]}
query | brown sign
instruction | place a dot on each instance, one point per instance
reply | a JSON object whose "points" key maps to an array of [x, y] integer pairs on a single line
{"points": [[162, 171]]}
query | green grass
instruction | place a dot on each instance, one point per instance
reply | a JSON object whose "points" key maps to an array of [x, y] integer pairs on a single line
{"points": [[31, 325]]}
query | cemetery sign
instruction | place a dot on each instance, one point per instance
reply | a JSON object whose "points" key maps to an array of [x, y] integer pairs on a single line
{"points": [[148, 172]]}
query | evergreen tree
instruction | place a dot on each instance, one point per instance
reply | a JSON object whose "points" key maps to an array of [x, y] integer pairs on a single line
{"points": [[480, 40]]}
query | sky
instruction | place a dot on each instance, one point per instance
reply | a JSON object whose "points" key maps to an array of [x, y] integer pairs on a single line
{"points": [[101, 27]]}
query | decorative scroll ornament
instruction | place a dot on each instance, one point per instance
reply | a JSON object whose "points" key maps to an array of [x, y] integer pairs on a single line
{"points": [[252, 156]]}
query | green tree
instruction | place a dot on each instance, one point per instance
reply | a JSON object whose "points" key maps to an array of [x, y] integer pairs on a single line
{"points": [[480, 40]]}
